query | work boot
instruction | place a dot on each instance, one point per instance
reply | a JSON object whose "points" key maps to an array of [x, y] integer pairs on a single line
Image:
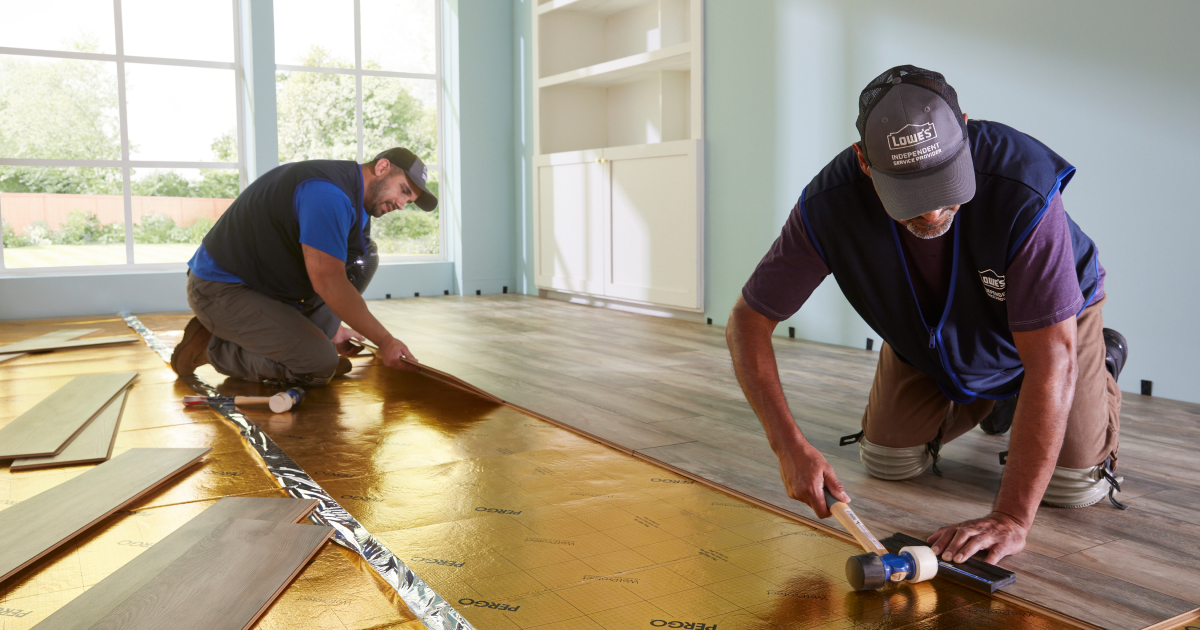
{"points": [[344, 366], [1116, 350], [1000, 419], [192, 351]]}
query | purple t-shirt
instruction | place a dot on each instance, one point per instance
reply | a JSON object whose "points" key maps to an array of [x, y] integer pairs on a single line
{"points": [[1042, 286]]}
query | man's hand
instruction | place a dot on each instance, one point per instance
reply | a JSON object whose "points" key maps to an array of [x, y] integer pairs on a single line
{"points": [[393, 354], [341, 341], [806, 476], [999, 533]]}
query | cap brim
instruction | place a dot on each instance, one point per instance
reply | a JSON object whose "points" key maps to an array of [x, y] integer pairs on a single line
{"points": [[908, 196], [426, 202]]}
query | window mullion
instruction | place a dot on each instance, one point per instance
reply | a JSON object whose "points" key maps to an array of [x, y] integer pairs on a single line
{"points": [[358, 77], [126, 170]]}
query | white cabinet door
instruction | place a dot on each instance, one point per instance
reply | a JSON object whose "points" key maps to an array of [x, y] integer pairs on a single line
{"points": [[655, 249], [572, 197]]}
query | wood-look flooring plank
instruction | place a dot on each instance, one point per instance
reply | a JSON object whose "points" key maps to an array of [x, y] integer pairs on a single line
{"points": [[50, 425], [1161, 569], [36, 345], [38, 525], [225, 581], [56, 336], [93, 444], [606, 425], [1098, 599], [84, 611], [1182, 505]]}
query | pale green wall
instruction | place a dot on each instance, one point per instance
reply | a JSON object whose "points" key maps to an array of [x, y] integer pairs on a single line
{"points": [[478, 110]]}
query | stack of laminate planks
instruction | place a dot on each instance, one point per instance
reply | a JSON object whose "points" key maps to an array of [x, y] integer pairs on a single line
{"points": [[76, 424], [41, 524], [221, 570], [58, 340]]}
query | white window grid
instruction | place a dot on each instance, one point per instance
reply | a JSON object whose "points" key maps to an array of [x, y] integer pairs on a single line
{"points": [[127, 165], [358, 72]]}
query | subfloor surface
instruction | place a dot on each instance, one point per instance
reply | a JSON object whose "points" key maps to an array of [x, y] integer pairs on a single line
{"points": [[665, 390], [518, 523]]}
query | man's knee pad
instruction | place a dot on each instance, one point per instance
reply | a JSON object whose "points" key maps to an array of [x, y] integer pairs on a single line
{"points": [[894, 464], [1077, 487]]}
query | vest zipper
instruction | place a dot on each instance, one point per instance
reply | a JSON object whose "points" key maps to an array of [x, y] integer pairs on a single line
{"points": [[932, 338]]}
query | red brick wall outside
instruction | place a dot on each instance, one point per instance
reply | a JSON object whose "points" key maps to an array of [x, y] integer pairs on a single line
{"points": [[22, 209]]}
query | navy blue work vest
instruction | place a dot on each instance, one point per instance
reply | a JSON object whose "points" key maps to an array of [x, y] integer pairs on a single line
{"points": [[967, 348], [258, 237]]}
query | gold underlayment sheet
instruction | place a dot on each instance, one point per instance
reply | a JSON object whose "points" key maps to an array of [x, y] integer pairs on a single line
{"points": [[515, 522]]}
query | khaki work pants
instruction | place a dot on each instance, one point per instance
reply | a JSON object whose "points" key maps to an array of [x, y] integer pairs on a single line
{"points": [[257, 338], [907, 409]]}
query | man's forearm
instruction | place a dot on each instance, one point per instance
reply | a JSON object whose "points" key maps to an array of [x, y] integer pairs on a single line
{"points": [[350, 307], [1040, 421], [749, 337]]}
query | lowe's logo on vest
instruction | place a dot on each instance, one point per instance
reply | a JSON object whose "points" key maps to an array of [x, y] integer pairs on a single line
{"points": [[910, 136], [993, 284]]}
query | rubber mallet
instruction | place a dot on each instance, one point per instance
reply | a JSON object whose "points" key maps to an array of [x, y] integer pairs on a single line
{"points": [[279, 403], [871, 570]]}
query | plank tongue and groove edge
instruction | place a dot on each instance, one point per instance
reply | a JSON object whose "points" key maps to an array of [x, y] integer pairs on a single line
{"points": [[38, 344], [84, 611], [50, 425], [58, 335], [225, 581], [94, 444], [38, 525]]}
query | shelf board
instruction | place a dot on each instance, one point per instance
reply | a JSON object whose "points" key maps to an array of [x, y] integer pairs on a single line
{"points": [[597, 7], [625, 69]]}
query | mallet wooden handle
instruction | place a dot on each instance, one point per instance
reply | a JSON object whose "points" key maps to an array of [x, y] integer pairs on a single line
{"points": [[849, 520]]}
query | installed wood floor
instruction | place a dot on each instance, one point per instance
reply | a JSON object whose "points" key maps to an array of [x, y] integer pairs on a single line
{"points": [[665, 389]]}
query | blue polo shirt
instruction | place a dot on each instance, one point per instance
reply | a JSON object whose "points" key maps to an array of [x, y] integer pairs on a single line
{"points": [[326, 217]]}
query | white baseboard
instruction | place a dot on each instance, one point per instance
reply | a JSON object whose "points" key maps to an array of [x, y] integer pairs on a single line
{"points": [[623, 305]]}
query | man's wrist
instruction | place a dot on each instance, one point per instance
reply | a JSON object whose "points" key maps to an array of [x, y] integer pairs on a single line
{"points": [[1024, 524]]}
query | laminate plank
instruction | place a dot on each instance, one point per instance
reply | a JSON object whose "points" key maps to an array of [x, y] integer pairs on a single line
{"points": [[38, 525], [84, 611], [627, 432], [50, 425], [94, 444], [34, 345], [624, 403], [225, 581], [1098, 599], [56, 336], [1181, 505], [1164, 571]]}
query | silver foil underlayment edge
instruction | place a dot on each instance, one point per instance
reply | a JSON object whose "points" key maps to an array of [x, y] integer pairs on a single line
{"points": [[421, 599]]}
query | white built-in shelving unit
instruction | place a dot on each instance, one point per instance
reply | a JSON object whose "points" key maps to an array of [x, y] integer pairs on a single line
{"points": [[618, 135]]}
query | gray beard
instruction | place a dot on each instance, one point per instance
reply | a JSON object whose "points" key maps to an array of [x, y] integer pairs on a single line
{"points": [[933, 232]]}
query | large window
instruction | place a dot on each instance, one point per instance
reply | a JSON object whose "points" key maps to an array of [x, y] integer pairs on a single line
{"points": [[354, 78], [119, 130]]}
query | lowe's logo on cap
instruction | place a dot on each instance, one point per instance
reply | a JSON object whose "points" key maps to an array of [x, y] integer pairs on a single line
{"points": [[911, 135]]}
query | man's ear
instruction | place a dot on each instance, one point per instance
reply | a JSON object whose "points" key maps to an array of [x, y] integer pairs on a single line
{"points": [[382, 166], [862, 159]]}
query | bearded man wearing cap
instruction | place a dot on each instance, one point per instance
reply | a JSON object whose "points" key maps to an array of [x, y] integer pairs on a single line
{"points": [[949, 238], [286, 264]]}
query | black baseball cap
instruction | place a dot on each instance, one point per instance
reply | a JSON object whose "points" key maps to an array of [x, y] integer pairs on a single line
{"points": [[915, 141], [415, 168]]}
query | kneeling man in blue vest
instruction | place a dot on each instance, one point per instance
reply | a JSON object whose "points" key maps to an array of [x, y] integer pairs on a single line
{"points": [[287, 263], [948, 236]]}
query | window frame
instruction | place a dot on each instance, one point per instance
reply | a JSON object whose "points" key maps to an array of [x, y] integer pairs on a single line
{"points": [[358, 73], [125, 164]]}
